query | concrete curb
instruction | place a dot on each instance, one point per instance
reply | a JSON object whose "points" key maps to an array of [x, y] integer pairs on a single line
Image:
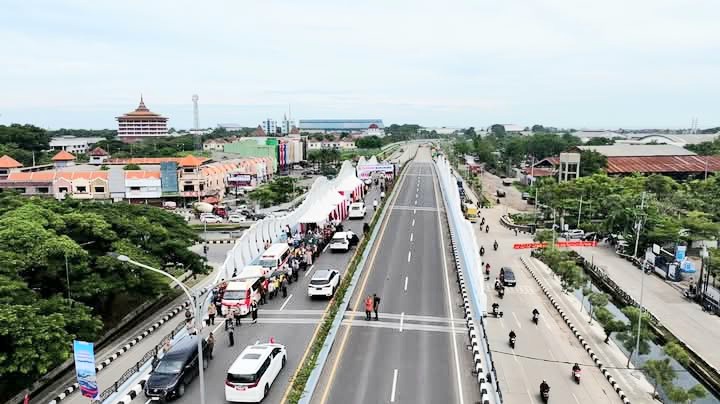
{"points": [[134, 391], [221, 241], [125, 348], [577, 334]]}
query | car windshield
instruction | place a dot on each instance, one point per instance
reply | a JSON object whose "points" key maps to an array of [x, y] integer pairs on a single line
{"points": [[318, 281], [509, 275], [169, 367], [236, 378], [338, 240], [355, 208], [234, 295], [268, 263]]}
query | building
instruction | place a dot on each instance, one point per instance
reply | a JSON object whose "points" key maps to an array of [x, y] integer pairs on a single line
{"points": [[72, 144], [7, 165], [287, 125], [373, 130], [270, 127], [231, 127], [98, 156], [63, 159], [626, 150], [662, 138], [215, 144], [341, 144], [510, 128], [338, 125], [587, 134], [141, 124], [142, 185]]}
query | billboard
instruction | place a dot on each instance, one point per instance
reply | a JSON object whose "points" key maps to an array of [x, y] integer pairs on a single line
{"points": [[85, 368], [364, 171], [578, 243]]}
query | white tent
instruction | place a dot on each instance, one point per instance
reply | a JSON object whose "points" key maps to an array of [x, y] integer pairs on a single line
{"points": [[319, 213], [373, 160]]}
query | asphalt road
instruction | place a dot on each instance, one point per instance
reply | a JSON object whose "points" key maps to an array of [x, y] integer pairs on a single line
{"points": [[290, 321], [543, 351], [416, 352]]}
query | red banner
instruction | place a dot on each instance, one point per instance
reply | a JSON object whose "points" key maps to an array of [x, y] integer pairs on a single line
{"points": [[573, 243]]}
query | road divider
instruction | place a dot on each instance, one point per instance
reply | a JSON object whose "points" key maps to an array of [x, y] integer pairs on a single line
{"points": [[577, 334]]}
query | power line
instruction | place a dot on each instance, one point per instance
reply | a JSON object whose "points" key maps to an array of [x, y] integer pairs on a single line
{"points": [[535, 358]]}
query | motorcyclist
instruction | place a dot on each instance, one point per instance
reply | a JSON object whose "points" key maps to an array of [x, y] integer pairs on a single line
{"points": [[495, 308], [576, 368], [498, 285], [501, 291], [535, 313], [495, 245], [482, 251], [487, 228], [544, 387], [512, 335]]}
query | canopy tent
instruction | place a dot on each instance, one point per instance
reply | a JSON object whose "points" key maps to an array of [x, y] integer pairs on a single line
{"points": [[373, 160], [319, 214], [351, 188]]}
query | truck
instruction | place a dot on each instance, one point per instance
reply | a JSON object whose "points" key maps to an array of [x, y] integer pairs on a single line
{"points": [[470, 211]]}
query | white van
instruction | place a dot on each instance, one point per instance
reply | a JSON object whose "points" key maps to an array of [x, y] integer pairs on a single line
{"points": [[275, 256], [254, 271], [249, 378], [357, 210], [240, 294]]}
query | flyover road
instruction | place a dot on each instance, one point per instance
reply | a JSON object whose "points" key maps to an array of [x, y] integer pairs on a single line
{"points": [[544, 351], [290, 321], [415, 352]]}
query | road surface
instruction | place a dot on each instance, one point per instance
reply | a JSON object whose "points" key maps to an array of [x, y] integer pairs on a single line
{"points": [[416, 352]]}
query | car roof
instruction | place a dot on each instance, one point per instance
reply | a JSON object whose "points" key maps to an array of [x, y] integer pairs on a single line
{"points": [[251, 358], [323, 273], [183, 348], [340, 234]]}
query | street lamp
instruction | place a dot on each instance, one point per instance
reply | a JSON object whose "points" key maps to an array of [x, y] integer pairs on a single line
{"points": [[195, 306], [67, 271]]}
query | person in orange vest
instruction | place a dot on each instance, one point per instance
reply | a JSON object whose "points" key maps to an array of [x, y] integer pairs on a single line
{"points": [[368, 307]]}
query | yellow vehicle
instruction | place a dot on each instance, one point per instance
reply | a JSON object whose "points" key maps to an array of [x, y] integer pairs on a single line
{"points": [[471, 212]]}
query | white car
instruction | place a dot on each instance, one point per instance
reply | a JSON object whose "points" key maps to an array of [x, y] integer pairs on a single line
{"points": [[324, 282], [573, 234], [340, 241], [357, 210], [249, 378], [235, 218], [211, 219]]}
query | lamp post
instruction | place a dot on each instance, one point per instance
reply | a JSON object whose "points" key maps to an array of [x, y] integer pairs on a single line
{"points": [[67, 271], [196, 310]]}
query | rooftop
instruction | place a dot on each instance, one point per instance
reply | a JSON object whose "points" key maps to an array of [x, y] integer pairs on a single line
{"points": [[63, 156], [141, 112], [98, 151], [663, 164], [9, 162], [625, 150]]}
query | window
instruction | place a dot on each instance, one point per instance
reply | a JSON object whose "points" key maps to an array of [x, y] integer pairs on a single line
{"points": [[188, 188], [275, 352], [263, 368], [136, 189], [21, 190], [43, 190], [81, 189], [100, 189], [62, 189]]}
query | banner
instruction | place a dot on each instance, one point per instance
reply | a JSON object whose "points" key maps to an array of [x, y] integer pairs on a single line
{"points": [[85, 368], [572, 243], [364, 171], [680, 252]]}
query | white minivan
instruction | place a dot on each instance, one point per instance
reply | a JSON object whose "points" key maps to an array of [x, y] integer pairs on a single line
{"points": [[249, 378], [240, 294], [357, 210]]}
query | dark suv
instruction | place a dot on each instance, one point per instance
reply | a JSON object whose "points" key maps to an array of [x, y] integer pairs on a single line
{"points": [[176, 369]]}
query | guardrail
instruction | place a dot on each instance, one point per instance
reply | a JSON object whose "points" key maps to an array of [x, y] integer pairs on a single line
{"points": [[468, 265]]}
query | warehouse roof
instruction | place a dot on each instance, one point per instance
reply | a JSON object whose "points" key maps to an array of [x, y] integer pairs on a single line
{"points": [[663, 164], [626, 150]]}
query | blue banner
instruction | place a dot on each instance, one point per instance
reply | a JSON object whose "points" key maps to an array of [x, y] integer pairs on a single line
{"points": [[85, 368], [680, 252]]}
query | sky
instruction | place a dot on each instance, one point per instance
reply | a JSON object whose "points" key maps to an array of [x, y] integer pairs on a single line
{"points": [[564, 63]]}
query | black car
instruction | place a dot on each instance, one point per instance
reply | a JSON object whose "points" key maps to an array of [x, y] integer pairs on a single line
{"points": [[508, 278], [176, 369]]}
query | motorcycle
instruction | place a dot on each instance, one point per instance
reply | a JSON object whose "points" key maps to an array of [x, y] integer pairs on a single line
{"points": [[496, 313], [487, 229], [545, 395], [535, 319], [512, 342], [495, 246], [482, 251], [576, 376], [501, 292]]}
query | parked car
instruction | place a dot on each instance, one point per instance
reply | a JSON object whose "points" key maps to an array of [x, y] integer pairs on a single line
{"points": [[235, 218], [297, 167], [507, 181], [357, 210], [573, 234], [171, 374], [500, 193], [342, 241], [252, 374], [323, 283], [525, 196], [509, 277]]}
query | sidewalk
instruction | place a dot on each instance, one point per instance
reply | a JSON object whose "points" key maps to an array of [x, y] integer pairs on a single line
{"points": [[697, 329], [633, 382]]}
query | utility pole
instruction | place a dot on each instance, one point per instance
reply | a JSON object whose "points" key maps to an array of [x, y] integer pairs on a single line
{"points": [[579, 211], [642, 276]]}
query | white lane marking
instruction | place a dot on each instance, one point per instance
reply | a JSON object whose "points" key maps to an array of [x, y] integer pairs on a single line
{"points": [[413, 223], [516, 320], [449, 300], [402, 318], [394, 386], [309, 270], [415, 201], [406, 280], [409, 255], [222, 323], [326, 247], [411, 237], [416, 196], [551, 355], [575, 397], [286, 302], [414, 211], [532, 399]]}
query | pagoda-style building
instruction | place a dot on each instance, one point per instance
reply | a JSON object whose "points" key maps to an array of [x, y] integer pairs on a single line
{"points": [[141, 124]]}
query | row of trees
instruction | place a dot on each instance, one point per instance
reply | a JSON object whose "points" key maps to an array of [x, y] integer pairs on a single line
{"points": [[661, 371], [280, 190], [58, 284]]}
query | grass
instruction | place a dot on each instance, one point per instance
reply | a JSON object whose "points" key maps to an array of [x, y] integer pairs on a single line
{"points": [[306, 368]]}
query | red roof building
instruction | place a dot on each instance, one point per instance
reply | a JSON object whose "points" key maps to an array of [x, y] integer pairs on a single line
{"points": [[7, 162], [141, 124], [63, 156]]}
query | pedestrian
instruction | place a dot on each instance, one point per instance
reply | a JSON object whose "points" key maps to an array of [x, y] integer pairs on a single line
{"points": [[254, 312], [516, 232], [366, 228], [228, 321], [271, 289], [375, 204], [368, 307], [210, 344], [212, 312], [231, 333], [218, 305], [283, 285], [290, 273], [237, 316], [376, 305], [263, 292], [382, 195], [296, 269]]}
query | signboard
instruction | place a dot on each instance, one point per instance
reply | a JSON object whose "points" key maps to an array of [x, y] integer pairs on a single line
{"points": [[571, 243], [364, 171], [680, 252], [240, 179], [85, 368]]}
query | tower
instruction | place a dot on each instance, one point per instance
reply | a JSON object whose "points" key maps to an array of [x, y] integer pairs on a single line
{"points": [[196, 112]]}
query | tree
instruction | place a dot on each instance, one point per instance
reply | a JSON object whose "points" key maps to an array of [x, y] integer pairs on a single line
{"points": [[609, 323], [470, 132], [600, 141], [660, 371], [597, 300], [461, 147], [369, 142], [680, 395], [629, 336], [538, 129], [591, 162], [132, 167], [498, 130]]}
